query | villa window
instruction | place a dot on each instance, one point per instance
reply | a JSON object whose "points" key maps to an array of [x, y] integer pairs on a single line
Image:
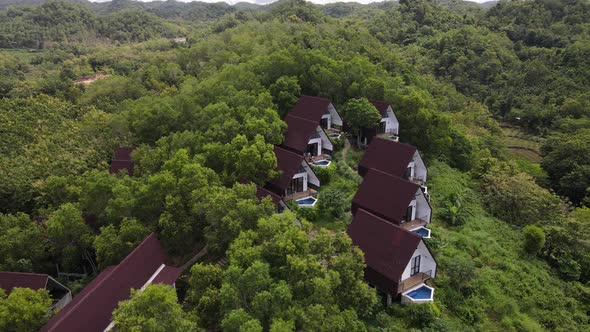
{"points": [[324, 123], [295, 186], [382, 126], [408, 173], [409, 212], [415, 265]]}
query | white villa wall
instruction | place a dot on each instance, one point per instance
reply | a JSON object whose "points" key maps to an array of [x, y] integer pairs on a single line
{"points": [[336, 119], [310, 175], [326, 142], [427, 262], [413, 205], [412, 166], [391, 122], [319, 142], [423, 210], [305, 179], [420, 171]]}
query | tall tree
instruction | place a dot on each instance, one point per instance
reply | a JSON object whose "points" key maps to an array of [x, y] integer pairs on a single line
{"points": [[154, 309], [361, 114]]}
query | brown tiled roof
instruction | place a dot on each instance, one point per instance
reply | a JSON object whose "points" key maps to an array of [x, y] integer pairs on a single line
{"points": [[299, 132], [388, 248], [288, 164], [387, 156], [381, 106], [311, 108], [124, 152], [118, 165], [168, 275], [10, 280], [91, 309], [385, 196], [261, 193]]}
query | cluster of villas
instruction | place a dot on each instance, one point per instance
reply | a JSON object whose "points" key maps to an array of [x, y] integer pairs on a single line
{"points": [[391, 209]]}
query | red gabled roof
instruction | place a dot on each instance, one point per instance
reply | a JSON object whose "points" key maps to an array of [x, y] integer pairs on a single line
{"points": [[385, 196], [124, 152], [118, 165], [10, 280], [311, 108], [388, 248], [381, 106], [299, 132], [388, 156], [261, 193], [91, 309], [168, 275], [288, 164]]}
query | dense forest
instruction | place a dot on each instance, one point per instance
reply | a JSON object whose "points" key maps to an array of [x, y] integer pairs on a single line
{"points": [[495, 97]]}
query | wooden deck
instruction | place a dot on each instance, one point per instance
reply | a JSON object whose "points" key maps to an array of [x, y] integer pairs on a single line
{"points": [[413, 224], [301, 195], [412, 281]]}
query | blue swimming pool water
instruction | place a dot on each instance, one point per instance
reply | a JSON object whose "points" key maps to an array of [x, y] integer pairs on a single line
{"points": [[423, 232], [306, 201], [322, 163], [422, 293]]}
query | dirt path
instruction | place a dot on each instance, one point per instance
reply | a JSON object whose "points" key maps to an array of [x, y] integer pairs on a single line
{"points": [[195, 258], [345, 150]]}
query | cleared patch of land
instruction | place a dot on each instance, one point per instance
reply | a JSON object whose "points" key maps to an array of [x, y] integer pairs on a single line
{"points": [[522, 145]]}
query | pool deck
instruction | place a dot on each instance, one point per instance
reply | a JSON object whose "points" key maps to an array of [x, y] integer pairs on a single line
{"points": [[408, 226], [412, 281], [301, 195]]}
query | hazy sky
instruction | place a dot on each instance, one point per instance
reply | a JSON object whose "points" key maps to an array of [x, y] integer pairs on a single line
{"points": [[269, 1]]}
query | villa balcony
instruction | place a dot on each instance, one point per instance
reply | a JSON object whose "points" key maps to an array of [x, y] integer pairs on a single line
{"points": [[300, 195], [392, 136], [416, 223], [413, 281]]}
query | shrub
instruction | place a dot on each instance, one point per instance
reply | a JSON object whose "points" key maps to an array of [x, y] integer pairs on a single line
{"points": [[325, 174], [333, 201], [534, 239]]}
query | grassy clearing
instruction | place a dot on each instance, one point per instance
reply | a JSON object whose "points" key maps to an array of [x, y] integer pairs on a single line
{"points": [[523, 145], [486, 281]]}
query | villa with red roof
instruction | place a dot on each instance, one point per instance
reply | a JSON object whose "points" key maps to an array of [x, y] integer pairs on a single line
{"points": [[297, 180], [262, 193], [387, 128], [398, 262], [92, 308], [394, 199], [306, 137], [320, 111], [394, 158], [59, 293], [123, 160]]}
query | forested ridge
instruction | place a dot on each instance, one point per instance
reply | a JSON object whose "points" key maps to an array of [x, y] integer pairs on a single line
{"points": [[495, 97]]}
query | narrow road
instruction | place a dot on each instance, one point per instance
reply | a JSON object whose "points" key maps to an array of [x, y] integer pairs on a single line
{"points": [[345, 150]]}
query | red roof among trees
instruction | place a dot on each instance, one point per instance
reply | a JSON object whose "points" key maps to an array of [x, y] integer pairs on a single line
{"points": [[381, 106], [288, 164], [311, 108], [299, 132], [387, 156], [385, 196], [91, 309], [388, 248], [10, 280]]}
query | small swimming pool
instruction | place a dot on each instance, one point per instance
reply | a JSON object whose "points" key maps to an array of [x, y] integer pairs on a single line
{"points": [[420, 294], [422, 231], [322, 163], [307, 201]]}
